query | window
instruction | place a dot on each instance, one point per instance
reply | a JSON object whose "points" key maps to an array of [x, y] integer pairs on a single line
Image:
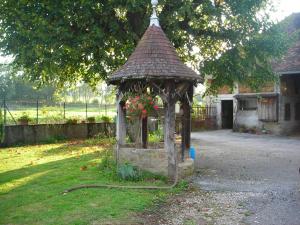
{"points": [[268, 109], [287, 112], [297, 111], [248, 104]]}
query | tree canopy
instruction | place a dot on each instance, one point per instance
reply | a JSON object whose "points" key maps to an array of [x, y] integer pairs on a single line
{"points": [[63, 42]]}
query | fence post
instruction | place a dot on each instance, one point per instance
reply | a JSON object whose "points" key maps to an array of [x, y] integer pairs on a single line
{"points": [[4, 112], [64, 110], [37, 111], [86, 110]]}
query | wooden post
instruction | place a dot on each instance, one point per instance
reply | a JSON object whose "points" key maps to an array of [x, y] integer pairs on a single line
{"points": [[121, 126], [145, 132], [187, 124], [169, 129], [188, 121], [64, 110], [183, 132], [37, 111], [86, 110]]}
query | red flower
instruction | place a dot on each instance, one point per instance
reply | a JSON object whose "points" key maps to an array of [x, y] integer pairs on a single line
{"points": [[156, 107], [140, 106]]}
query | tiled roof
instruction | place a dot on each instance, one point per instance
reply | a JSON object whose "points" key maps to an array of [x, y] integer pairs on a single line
{"points": [[291, 61], [154, 58]]}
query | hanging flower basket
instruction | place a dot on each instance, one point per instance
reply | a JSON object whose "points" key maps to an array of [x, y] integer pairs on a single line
{"points": [[140, 106], [137, 108]]}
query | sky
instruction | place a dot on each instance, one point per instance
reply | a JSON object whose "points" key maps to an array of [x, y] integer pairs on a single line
{"points": [[284, 8]]}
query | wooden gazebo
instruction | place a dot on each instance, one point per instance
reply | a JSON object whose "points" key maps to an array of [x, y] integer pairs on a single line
{"points": [[155, 66]]}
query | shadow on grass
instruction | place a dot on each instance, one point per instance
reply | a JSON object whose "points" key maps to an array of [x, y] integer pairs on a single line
{"points": [[39, 197], [77, 145], [62, 166]]}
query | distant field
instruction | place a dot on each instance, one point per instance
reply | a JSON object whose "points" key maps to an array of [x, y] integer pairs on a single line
{"points": [[57, 114]]}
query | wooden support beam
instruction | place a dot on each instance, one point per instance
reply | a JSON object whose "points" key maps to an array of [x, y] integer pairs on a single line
{"points": [[183, 133], [169, 128], [186, 121], [145, 132], [188, 111], [121, 125]]}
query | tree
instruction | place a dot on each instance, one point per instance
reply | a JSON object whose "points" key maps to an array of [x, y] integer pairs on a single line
{"points": [[6, 83], [13, 87], [64, 42]]}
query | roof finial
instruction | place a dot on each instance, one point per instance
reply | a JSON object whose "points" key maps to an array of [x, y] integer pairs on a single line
{"points": [[154, 19]]}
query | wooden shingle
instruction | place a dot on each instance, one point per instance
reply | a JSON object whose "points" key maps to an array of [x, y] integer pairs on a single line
{"points": [[154, 58]]}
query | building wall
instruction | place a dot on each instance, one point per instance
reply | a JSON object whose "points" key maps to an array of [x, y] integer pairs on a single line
{"points": [[247, 118], [290, 95], [216, 101]]}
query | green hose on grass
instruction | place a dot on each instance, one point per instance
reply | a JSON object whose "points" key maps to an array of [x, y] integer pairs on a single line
{"points": [[124, 187], [87, 186]]}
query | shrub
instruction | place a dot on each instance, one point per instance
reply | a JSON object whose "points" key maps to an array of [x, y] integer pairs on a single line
{"points": [[91, 119], [72, 121], [105, 119], [129, 172], [95, 101], [24, 119], [156, 136]]}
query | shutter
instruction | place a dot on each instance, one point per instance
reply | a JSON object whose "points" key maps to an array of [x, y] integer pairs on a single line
{"points": [[268, 109]]}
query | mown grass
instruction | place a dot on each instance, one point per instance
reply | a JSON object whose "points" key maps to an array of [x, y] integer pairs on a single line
{"points": [[32, 179]]}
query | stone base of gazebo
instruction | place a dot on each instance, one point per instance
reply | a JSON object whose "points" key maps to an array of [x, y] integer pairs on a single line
{"points": [[154, 159]]}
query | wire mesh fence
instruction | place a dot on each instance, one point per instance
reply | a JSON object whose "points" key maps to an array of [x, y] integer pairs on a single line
{"points": [[44, 112]]}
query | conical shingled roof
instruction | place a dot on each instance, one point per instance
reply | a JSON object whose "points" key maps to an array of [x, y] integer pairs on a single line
{"points": [[154, 58]]}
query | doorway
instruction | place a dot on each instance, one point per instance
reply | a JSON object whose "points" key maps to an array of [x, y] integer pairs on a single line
{"points": [[227, 114]]}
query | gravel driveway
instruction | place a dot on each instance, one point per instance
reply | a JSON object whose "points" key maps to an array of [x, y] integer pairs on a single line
{"points": [[241, 179], [257, 175]]}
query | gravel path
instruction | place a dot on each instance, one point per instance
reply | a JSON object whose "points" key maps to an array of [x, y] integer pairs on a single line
{"points": [[241, 179], [263, 169]]}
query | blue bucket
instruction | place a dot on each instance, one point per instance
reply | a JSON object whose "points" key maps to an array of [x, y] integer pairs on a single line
{"points": [[192, 153]]}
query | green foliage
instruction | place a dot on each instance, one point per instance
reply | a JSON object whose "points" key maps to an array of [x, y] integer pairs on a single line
{"points": [[129, 172], [105, 119], [91, 119], [1, 126], [63, 42], [156, 136], [13, 87], [24, 117], [249, 62], [72, 121]]}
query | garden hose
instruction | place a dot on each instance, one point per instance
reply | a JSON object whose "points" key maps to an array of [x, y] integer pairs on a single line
{"points": [[124, 187]]}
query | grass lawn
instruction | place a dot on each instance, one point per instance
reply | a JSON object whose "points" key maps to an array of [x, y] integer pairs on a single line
{"points": [[33, 177]]}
